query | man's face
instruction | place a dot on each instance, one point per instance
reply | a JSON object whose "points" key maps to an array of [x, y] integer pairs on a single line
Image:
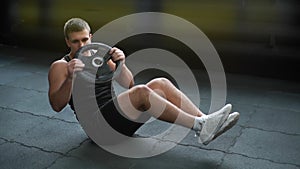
{"points": [[78, 39]]}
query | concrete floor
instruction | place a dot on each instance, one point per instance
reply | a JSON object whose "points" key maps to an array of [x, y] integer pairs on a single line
{"points": [[33, 136]]}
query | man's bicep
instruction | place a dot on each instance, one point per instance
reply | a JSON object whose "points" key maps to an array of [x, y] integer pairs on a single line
{"points": [[56, 76]]}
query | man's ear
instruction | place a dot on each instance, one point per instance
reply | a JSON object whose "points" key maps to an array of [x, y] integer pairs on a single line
{"points": [[67, 42]]}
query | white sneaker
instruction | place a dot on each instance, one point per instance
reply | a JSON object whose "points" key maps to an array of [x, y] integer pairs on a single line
{"points": [[212, 123], [228, 124]]}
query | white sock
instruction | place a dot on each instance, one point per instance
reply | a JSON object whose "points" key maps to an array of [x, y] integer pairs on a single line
{"points": [[198, 123]]}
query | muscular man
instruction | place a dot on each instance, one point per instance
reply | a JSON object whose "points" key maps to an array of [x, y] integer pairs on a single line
{"points": [[157, 93]]}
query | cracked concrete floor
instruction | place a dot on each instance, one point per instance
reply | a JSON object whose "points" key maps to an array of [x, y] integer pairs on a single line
{"points": [[33, 136]]}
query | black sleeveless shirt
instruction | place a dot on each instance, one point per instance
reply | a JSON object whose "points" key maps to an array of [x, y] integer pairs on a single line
{"points": [[103, 91]]}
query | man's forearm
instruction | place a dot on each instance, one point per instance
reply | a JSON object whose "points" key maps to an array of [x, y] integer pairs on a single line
{"points": [[60, 98], [126, 77]]}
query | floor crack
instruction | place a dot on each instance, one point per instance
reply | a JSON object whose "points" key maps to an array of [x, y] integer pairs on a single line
{"points": [[43, 116], [12, 86], [265, 159], [67, 153], [30, 146], [271, 131]]}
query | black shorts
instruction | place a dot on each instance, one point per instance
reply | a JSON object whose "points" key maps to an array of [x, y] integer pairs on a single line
{"points": [[110, 112]]}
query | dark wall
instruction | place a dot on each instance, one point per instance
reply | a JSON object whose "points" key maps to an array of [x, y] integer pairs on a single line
{"points": [[257, 37]]}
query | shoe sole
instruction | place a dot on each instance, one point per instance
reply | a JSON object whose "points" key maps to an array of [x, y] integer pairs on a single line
{"points": [[229, 126]]}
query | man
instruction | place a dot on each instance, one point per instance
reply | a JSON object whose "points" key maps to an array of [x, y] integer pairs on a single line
{"points": [[159, 97]]}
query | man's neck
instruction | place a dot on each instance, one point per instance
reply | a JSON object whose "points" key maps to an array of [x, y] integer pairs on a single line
{"points": [[71, 55]]}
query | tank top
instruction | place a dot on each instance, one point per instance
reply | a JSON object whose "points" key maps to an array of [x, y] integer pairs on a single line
{"points": [[103, 91]]}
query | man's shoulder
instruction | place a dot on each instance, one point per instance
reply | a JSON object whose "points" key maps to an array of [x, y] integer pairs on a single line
{"points": [[61, 63], [64, 59]]}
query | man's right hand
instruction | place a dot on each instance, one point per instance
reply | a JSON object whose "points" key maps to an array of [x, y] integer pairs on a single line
{"points": [[74, 65]]}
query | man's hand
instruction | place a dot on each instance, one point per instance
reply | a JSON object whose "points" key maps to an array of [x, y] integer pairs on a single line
{"points": [[74, 65], [117, 54]]}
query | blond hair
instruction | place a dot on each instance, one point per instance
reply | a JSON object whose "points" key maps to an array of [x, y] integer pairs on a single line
{"points": [[75, 25]]}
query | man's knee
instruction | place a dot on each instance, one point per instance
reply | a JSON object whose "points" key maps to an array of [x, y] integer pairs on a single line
{"points": [[140, 90], [139, 93], [159, 83], [139, 96]]}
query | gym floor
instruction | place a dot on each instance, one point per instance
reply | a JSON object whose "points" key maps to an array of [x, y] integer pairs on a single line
{"points": [[32, 135]]}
